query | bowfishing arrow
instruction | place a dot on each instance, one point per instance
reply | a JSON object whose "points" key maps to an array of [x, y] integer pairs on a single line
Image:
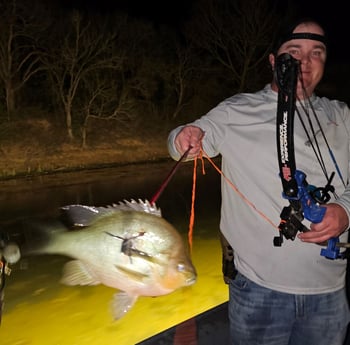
{"points": [[169, 176]]}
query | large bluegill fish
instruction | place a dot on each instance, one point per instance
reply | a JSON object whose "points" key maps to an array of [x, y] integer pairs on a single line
{"points": [[127, 246]]}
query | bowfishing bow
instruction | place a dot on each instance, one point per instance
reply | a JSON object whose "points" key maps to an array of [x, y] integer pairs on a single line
{"points": [[305, 201]]}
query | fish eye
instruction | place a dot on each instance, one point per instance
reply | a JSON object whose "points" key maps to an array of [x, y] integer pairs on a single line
{"points": [[180, 267]]}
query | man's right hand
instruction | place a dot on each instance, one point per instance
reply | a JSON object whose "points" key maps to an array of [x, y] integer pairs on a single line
{"points": [[189, 136]]}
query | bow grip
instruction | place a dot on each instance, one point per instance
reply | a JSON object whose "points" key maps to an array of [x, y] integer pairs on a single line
{"points": [[312, 210]]}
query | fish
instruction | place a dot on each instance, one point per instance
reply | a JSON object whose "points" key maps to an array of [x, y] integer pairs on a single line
{"points": [[127, 246]]}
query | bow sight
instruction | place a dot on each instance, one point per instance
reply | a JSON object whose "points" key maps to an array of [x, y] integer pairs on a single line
{"points": [[305, 201]]}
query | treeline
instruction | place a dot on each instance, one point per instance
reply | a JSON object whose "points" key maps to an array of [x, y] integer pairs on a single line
{"points": [[74, 65]]}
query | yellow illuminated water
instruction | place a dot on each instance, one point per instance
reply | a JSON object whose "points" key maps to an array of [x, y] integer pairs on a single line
{"points": [[40, 311]]}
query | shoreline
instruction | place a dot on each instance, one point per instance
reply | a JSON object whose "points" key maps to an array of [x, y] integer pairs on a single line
{"points": [[22, 175]]}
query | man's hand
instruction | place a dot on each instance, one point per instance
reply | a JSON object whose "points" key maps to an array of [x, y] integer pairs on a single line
{"points": [[189, 136], [334, 223]]}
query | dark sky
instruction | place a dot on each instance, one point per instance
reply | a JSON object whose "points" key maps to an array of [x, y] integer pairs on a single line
{"points": [[166, 11], [332, 14]]}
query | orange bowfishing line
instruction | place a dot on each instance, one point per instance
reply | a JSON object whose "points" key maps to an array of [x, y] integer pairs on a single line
{"points": [[248, 202]]}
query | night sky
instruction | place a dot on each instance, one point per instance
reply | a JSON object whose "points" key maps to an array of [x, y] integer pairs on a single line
{"points": [[168, 11], [333, 15]]}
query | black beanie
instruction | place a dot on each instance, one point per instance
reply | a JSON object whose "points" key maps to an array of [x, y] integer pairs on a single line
{"points": [[285, 33]]}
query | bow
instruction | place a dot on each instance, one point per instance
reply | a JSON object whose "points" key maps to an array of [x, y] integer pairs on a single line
{"points": [[305, 201]]}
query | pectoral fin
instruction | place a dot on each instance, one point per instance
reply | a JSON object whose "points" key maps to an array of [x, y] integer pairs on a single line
{"points": [[76, 272], [122, 303]]}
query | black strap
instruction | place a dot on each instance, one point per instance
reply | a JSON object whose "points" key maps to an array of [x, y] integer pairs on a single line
{"points": [[305, 36]]}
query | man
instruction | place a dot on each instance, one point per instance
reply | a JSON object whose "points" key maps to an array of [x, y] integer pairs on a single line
{"points": [[288, 295]]}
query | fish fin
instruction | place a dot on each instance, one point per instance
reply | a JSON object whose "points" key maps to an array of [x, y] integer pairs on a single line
{"points": [[76, 273], [140, 205], [122, 303], [35, 235], [80, 215], [83, 215], [132, 274]]}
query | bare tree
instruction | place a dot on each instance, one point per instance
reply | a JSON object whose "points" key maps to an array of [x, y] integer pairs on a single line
{"points": [[19, 61], [168, 70], [183, 76], [121, 94], [237, 34], [108, 99], [176, 74], [83, 50]]}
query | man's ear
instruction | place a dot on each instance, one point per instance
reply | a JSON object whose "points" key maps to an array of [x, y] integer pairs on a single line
{"points": [[272, 61]]}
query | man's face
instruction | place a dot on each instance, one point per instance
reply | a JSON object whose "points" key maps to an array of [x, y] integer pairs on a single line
{"points": [[311, 54]]}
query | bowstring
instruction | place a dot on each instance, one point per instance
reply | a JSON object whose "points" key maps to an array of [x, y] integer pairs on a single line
{"points": [[237, 191], [314, 143]]}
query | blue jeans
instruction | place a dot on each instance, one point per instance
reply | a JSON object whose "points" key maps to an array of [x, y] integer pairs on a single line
{"points": [[266, 317]]}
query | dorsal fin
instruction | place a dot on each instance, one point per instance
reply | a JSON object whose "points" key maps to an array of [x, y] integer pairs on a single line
{"points": [[83, 215]]}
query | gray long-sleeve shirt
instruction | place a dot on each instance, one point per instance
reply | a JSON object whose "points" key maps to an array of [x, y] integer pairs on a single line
{"points": [[243, 130]]}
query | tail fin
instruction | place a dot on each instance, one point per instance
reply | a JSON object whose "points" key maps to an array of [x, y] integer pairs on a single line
{"points": [[33, 236]]}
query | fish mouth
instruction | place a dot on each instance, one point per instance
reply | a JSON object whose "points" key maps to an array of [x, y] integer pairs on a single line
{"points": [[191, 280]]}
